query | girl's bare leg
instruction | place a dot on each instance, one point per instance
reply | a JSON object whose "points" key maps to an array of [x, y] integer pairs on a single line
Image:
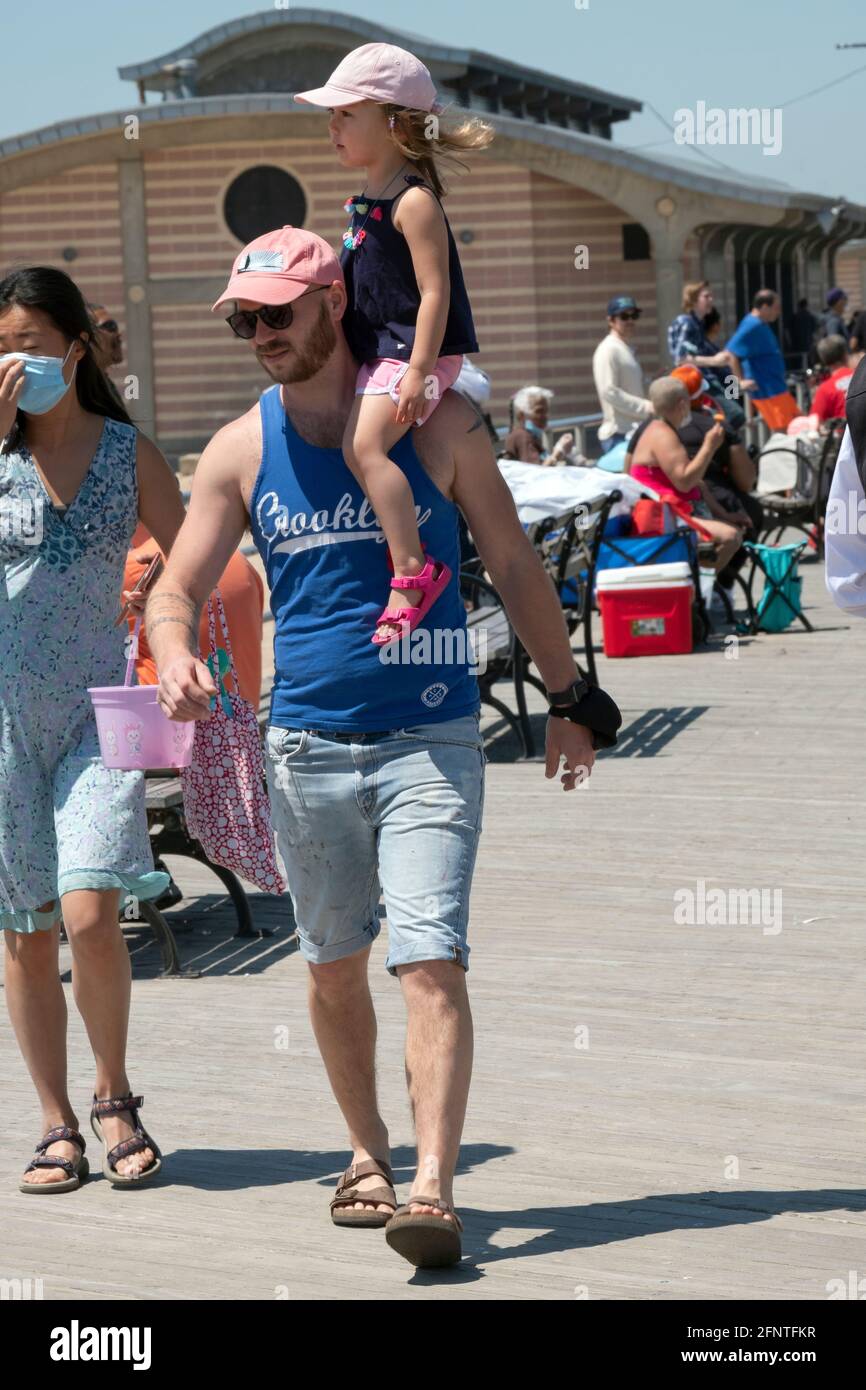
{"points": [[371, 431]]}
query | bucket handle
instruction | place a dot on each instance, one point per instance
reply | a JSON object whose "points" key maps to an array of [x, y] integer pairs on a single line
{"points": [[133, 652]]}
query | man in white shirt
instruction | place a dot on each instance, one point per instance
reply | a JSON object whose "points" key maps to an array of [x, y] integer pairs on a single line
{"points": [[618, 376]]}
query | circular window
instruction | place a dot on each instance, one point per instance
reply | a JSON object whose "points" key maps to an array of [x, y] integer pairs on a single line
{"points": [[262, 199]]}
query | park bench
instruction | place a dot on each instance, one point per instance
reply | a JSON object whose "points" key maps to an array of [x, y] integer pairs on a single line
{"points": [[169, 835], [495, 643], [567, 546]]}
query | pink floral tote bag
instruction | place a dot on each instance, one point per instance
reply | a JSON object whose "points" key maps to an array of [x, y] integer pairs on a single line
{"points": [[225, 801]]}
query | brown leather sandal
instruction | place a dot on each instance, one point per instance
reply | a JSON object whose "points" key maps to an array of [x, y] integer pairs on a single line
{"points": [[343, 1211], [428, 1242]]}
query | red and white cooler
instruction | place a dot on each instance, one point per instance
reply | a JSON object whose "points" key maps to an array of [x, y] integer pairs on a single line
{"points": [[646, 610]]}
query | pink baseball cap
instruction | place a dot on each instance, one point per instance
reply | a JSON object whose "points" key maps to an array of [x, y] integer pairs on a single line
{"points": [[377, 72], [277, 267]]}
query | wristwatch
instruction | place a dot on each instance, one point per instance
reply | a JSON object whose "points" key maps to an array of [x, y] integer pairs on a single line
{"points": [[590, 706], [568, 698]]}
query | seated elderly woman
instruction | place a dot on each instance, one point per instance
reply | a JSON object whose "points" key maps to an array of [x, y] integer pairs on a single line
{"points": [[530, 412], [657, 456]]}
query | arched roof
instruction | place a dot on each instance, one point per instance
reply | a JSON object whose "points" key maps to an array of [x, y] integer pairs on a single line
{"points": [[538, 96]]}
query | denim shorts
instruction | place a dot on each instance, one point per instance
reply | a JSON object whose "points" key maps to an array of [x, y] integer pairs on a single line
{"points": [[394, 814]]}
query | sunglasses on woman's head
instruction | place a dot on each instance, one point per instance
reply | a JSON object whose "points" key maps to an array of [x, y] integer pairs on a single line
{"points": [[109, 325], [276, 316]]}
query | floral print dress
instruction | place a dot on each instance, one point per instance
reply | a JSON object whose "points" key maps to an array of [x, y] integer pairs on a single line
{"points": [[66, 821]]}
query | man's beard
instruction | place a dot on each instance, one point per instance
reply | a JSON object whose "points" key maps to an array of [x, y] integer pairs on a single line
{"points": [[305, 361]]}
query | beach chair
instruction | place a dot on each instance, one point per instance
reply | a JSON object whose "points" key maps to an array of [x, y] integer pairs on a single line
{"points": [[804, 509], [779, 604]]}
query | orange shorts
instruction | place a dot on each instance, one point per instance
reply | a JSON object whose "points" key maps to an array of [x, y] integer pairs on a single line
{"points": [[778, 411]]}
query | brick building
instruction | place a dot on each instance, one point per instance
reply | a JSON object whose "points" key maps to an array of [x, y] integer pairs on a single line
{"points": [[147, 207]]}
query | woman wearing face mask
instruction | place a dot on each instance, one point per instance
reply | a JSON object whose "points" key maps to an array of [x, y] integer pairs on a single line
{"points": [[530, 412], [656, 456], [75, 478]]}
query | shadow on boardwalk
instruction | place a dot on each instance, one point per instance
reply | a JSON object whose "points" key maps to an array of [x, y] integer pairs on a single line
{"points": [[643, 738], [205, 931], [551, 1230]]}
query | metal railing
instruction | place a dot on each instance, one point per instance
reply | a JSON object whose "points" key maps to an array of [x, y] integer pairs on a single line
{"points": [[565, 424]]}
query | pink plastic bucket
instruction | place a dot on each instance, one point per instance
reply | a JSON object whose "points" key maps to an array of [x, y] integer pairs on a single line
{"points": [[134, 734]]}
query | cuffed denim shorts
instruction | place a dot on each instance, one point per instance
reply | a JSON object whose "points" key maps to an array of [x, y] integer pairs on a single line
{"points": [[394, 814]]}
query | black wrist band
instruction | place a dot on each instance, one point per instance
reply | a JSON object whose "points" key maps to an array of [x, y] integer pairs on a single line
{"points": [[564, 711], [597, 712]]}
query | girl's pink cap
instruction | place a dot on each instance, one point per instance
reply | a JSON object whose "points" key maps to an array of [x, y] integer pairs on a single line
{"points": [[377, 72]]}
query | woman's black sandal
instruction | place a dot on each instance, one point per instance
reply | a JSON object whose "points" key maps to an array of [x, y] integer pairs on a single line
{"points": [[138, 1141], [77, 1168]]}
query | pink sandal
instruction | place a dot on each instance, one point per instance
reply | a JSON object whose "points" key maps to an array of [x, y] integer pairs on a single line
{"points": [[433, 579]]}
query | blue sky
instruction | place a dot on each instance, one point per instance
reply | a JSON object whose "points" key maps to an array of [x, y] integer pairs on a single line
{"points": [[61, 60]]}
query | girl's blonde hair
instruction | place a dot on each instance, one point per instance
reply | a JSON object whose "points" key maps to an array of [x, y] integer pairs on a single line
{"points": [[420, 137]]}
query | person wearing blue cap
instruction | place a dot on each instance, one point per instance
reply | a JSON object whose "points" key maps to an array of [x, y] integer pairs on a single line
{"points": [[833, 318], [618, 376]]}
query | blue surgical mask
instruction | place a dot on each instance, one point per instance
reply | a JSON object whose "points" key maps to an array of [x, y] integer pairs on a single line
{"points": [[44, 385]]}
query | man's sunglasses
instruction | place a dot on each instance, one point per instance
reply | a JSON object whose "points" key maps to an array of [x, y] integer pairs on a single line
{"points": [[277, 316], [631, 316]]}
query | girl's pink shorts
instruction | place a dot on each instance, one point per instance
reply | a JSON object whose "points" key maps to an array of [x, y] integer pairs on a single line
{"points": [[383, 376]]}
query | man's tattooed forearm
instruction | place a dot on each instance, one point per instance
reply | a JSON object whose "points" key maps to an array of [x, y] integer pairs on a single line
{"points": [[185, 599]]}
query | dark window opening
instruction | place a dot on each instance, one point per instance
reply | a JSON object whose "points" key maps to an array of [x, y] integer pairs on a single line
{"points": [[262, 199], [635, 242]]}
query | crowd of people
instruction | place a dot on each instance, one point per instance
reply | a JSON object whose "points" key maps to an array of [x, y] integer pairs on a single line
{"points": [[697, 457]]}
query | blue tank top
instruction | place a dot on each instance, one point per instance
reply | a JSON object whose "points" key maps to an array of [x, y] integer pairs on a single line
{"points": [[383, 292], [326, 562]]}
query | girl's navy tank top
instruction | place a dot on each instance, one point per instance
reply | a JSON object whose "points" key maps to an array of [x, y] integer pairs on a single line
{"points": [[383, 292]]}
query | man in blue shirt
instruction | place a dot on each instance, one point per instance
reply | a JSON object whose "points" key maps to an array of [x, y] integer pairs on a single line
{"points": [[375, 770], [757, 354]]}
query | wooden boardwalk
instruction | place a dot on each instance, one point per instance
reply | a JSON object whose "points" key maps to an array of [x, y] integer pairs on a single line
{"points": [[659, 1110]]}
